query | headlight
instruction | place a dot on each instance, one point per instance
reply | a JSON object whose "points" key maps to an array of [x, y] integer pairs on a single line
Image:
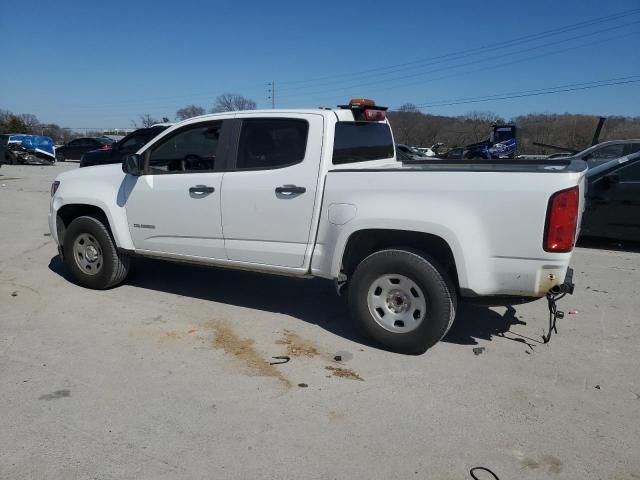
{"points": [[54, 187]]}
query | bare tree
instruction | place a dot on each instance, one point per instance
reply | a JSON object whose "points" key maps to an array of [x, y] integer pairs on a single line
{"points": [[229, 102], [146, 121], [409, 108], [30, 120], [189, 111]]}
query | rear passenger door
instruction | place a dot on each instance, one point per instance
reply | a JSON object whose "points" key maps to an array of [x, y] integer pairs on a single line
{"points": [[269, 195]]}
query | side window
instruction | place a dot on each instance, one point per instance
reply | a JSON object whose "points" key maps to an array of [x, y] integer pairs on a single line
{"points": [[635, 148], [75, 143], [272, 142], [630, 173], [192, 149], [609, 152]]}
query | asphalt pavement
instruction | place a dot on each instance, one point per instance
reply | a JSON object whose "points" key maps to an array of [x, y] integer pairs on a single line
{"points": [[170, 376]]}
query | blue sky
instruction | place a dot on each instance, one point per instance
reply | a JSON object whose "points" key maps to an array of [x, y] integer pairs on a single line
{"points": [[101, 64]]}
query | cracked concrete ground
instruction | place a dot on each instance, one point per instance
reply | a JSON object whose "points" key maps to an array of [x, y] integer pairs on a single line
{"points": [[168, 376]]}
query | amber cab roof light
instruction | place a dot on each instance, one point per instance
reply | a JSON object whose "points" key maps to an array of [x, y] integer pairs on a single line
{"points": [[362, 104], [365, 109]]}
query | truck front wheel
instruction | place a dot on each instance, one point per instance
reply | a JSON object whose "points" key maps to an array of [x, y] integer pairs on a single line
{"points": [[91, 256], [402, 299]]}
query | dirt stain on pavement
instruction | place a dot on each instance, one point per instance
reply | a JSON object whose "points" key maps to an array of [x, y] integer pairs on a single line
{"points": [[344, 373], [243, 351], [552, 464], [337, 416], [169, 337], [55, 395], [298, 346]]}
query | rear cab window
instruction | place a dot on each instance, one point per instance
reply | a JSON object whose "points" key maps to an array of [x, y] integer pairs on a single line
{"points": [[356, 142]]}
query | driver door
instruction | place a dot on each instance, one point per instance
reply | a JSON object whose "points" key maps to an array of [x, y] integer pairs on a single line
{"points": [[174, 208]]}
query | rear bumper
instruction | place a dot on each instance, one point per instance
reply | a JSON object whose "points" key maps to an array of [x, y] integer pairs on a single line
{"points": [[518, 277], [502, 300]]}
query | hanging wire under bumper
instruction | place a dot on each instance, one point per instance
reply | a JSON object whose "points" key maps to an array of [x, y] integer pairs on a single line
{"points": [[553, 295]]}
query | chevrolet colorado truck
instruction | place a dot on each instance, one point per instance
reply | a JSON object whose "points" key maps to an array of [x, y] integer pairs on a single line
{"points": [[319, 193]]}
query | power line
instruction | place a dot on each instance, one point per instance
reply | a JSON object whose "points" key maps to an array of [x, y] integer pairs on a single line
{"points": [[368, 72], [499, 65], [571, 87], [449, 67], [484, 48]]}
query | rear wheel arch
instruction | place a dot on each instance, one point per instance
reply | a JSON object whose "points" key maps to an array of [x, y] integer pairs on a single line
{"points": [[363, 243]]}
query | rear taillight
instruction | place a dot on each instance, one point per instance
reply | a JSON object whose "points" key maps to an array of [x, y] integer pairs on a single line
{"points": [[562, 221], [106, 147], [374, 115]]}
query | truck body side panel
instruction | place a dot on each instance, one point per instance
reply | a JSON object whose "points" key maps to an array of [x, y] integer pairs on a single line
{"points": [[493, 222]]}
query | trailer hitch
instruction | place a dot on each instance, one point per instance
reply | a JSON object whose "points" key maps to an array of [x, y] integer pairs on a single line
{"points": [[553, 295]]}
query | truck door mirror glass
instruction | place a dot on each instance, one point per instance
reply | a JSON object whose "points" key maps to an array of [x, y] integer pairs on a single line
{"points": [[132, 164]]}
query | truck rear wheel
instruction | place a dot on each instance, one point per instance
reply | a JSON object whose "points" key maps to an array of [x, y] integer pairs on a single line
{"points": [[91, 256], [402, 299]]}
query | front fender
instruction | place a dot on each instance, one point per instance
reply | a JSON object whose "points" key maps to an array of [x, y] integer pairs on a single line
{"points": [[100, 187]]}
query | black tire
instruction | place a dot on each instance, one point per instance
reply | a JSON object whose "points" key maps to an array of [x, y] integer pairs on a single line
{"points": [[439, 292], [60, 157], [114, 264]]}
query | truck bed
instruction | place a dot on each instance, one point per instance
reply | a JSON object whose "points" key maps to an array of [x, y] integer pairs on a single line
{"points": [[491, 214], [481, 165]]}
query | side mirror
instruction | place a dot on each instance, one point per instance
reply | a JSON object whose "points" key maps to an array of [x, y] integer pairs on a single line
{"points": [[132, 164]]}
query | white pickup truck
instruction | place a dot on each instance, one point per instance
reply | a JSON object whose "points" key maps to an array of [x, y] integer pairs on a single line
{"points": [[319, 193]]}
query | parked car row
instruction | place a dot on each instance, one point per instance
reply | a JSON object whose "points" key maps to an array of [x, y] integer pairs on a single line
{"points": [[79, 146], [118, 150]]}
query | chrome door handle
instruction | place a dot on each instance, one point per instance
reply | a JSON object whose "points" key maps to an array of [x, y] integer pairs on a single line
{"points": [[290, 190], [201, 189]]}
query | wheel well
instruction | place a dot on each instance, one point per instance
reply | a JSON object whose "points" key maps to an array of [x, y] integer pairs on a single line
{"points": [[68, 213], [363, 243]]}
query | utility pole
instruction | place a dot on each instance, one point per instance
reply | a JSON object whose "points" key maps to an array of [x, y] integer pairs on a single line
{"points": [[272, 93]]}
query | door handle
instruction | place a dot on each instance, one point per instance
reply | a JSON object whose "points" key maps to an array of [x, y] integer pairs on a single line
{"points": [[201, 190], [290, 190]]}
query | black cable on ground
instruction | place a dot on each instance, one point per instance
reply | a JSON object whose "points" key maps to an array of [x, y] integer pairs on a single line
{"points": [[484, 469]]}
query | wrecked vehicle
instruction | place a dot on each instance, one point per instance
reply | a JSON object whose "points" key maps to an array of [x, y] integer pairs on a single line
{"points": [[319, 193], [22, 148]]}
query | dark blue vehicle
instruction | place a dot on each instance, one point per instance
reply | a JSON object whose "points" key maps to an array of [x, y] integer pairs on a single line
{"points": [[501, 143]]}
